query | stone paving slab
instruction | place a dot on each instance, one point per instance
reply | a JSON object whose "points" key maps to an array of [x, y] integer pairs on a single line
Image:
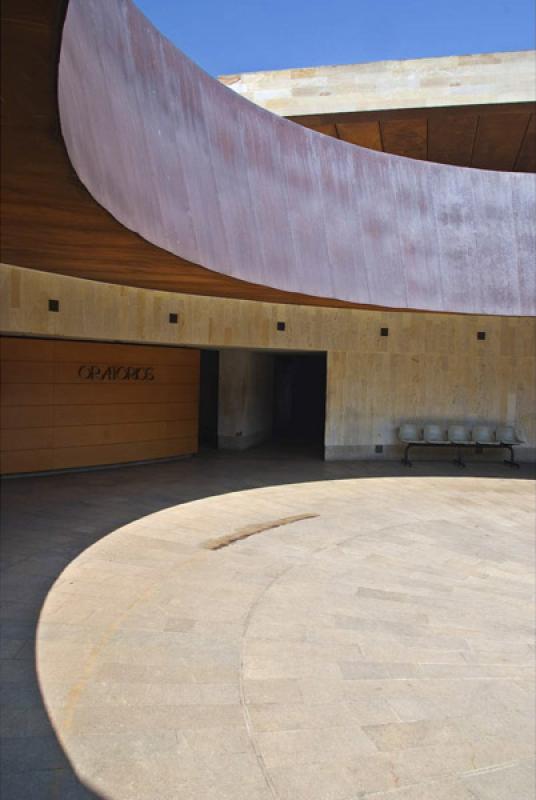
{"points": [[382, 650]]}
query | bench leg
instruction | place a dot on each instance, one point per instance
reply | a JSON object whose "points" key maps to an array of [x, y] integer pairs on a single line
{"points": [[406, 460], [510, 461], [459, 460]]}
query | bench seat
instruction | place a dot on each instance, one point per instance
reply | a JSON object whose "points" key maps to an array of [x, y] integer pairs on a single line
{"points": [[461, 436]]}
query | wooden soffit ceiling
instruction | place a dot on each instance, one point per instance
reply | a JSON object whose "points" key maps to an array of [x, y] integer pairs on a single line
{"points": [[51, 222], [497, 137]]}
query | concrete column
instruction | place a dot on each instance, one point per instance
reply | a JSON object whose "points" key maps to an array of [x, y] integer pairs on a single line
{"points": [[245, 399]]}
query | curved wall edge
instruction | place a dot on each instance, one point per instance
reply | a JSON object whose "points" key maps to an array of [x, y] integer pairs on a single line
{"points": [[203, 173]]}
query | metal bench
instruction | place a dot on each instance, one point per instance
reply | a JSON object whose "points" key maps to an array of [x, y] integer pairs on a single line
{"points": [[459, 436]]}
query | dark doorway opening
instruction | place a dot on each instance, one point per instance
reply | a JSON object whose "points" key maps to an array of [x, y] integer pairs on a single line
{"points": [[208, 398], [258, 399], [300, 399]]}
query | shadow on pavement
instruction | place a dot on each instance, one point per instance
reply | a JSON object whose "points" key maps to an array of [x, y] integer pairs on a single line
{"points": [[47, 521]]}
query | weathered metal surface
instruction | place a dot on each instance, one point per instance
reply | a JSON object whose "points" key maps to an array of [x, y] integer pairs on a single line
{"points": [[200, 171]]}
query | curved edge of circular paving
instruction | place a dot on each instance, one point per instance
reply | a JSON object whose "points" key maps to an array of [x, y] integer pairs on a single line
{"points": [[381, 649]]}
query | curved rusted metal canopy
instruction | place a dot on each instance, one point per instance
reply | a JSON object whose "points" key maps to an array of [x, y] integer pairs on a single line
{"points": [[203, 173]]}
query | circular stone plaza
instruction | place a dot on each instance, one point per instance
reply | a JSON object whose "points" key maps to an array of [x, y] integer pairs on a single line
{"points": [[268, 422]]}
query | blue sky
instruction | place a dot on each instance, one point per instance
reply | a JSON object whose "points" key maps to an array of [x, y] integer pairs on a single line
{"points": [[249, 35]]}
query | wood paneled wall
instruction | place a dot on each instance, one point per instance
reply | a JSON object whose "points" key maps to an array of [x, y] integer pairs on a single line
{"points": [[55, 415]]}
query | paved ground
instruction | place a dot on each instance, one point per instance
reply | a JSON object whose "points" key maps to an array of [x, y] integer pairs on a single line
{"points": [[382, 649]]}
